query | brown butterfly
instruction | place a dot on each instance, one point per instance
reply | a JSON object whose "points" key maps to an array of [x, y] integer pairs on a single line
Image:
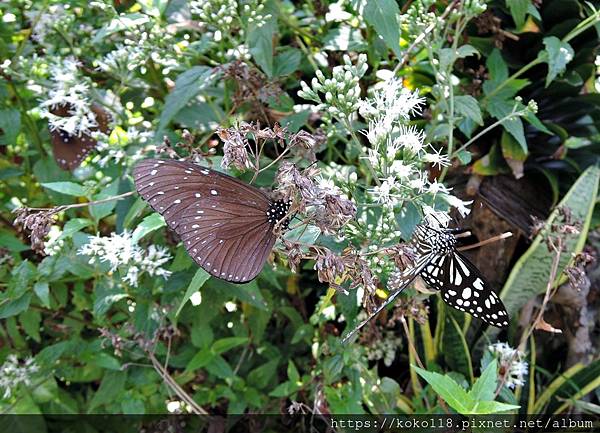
{"points": [[71, 150]]}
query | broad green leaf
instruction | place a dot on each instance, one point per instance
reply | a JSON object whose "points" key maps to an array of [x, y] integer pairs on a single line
{"points": [[260, 43], [134, 211], [219, 367], [452, 393], [68, 188], [121, 22], [530, 274], [559, 54], [344, 38], [99, 211], [468, 107], [490, 164], [149, 224], [10, 125], [484, 387], [292, 372], [197, 282], [73, 226], [30, 321], [187, 86], [261, 376], [228, 343], [12, 307], [113, 383], [497, 66], [200, 360], [491, 407], [382, 15], [500, 108], [466, 51], [518, 10], [42, 291]]}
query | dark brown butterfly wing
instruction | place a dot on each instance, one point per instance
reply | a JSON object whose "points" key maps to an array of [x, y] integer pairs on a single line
{"points": [[70, 150], [222, 221]]}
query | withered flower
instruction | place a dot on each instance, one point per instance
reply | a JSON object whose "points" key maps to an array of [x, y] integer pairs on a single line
{"points": [[329, 266], [37, 224], [293, 253], [335, 213], [235, 148]]}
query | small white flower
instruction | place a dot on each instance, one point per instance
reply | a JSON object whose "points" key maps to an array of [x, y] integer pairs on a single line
{"points": [[460, 205], [13, 373], [510, 361]]}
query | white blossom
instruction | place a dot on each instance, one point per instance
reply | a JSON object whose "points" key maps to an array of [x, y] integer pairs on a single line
{"points": [[121, 252], [13, 373], [510, 360]]}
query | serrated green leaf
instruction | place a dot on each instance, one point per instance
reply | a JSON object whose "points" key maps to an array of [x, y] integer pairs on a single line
{"points": [[559, 54], [484, 387], [12, 307], [382, 15], [187, 86], [42, 291], [260, 44], [466, 51], [450, 391], [73, 226], [149, 224], [468, 106], [287, 62], [68, 188], [491, 407]]}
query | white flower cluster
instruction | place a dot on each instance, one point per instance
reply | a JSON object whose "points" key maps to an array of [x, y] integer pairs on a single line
{"points": [[13, 373], [510, 360], [398, 152], [341, 91], [122, 62], [384, 348], [69, 92], [223, 14], [123, 253], [44, 21]]}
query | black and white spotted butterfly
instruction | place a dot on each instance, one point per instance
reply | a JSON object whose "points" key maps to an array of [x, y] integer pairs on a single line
{"points": [[443, 268]]}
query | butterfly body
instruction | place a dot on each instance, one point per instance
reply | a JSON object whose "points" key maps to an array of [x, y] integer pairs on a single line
{"points": [[445, 269], [225, 224]]}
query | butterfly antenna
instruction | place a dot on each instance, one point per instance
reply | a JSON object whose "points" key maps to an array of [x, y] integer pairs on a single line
{"points": [[375, 313]]}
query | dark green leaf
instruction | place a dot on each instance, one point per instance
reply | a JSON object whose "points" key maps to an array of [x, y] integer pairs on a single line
{"points": [[68, 188], [197, 282], [468, 106], [559, 55], [382, 15]]}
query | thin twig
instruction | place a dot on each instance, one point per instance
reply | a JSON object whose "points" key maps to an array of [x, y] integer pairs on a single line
{"points": [[57, 209], [164, 374], [505, 235]]}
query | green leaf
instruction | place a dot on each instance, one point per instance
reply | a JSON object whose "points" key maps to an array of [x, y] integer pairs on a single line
{"points": [[149, 224], [484, 387], [73, 226], [500, 108], [113, 383], [134, 211], [10, 125], [187, 86], [200, 359], [344, 38], [559, 55], [518, 10], [30, 321], [382, 15], [292, 372], [466, 51], [121, 22], [452, 393], [68, 188], [197, 282], [497, 66], [529, 276], [219, 367], [491, 407], [261, 376], [12, 307], [468, 106], [533, 120], [287, 62], [260, 44], [228, 343], [99, 211], [42, 291]]}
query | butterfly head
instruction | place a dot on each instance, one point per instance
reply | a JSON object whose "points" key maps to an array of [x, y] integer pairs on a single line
{"points": [[277, 212]]}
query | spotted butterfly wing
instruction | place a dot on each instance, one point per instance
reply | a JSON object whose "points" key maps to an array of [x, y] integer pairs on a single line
{"points": [[70, 150], [464, 288], [443, 268], [225, 225]]}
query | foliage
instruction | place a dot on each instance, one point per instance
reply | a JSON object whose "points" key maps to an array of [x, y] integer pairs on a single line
{"points": [[383, 106]]}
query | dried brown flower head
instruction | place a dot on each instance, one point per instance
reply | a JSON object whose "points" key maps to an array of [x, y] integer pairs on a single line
{"points": [[37, 223]]}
